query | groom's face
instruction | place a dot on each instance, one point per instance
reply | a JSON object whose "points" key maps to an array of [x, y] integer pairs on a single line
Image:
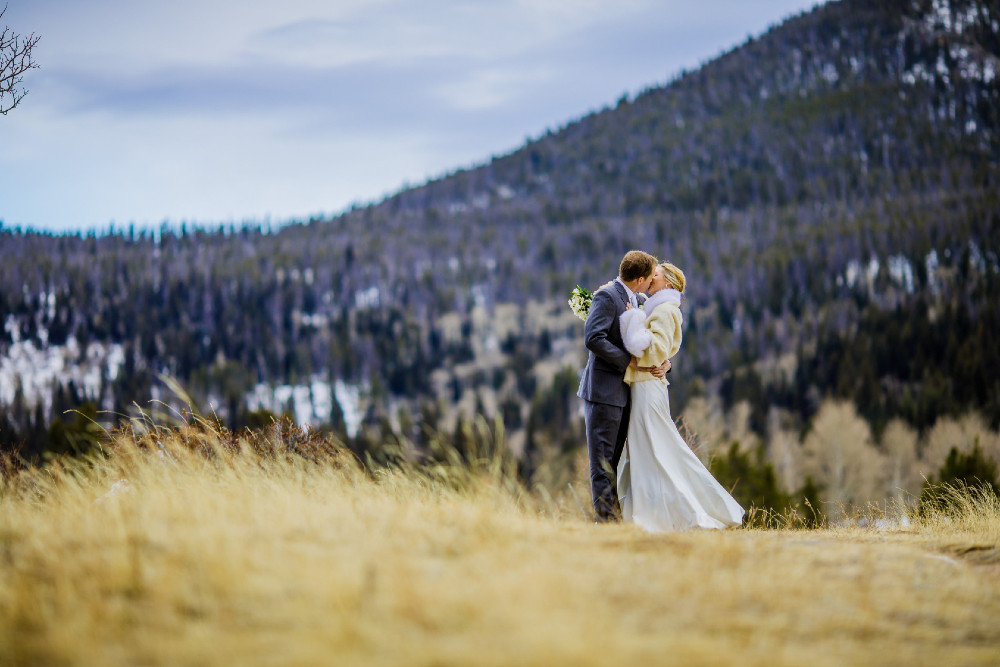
{"points": [[644, 285]]}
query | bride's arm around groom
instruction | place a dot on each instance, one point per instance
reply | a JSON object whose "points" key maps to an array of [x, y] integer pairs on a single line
{"points": [[652, 335], [653, 338]]}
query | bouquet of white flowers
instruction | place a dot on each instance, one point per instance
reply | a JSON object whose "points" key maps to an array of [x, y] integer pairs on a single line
{"points": [[579, 302]]}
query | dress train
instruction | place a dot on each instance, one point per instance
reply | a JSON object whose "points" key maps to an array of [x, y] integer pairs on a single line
{"points": [[662, 485]]}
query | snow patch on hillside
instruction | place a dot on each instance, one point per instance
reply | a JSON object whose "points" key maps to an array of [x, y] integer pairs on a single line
{"points": [[37, 370], [311, 403]]}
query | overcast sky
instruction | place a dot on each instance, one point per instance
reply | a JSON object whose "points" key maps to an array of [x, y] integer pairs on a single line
{"points": [[215, 111]]}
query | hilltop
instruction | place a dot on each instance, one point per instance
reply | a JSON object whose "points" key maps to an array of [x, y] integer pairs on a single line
{"points": [[183, 550]]}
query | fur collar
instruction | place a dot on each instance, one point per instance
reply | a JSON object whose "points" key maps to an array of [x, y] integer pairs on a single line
{"points": [[663, 296]]}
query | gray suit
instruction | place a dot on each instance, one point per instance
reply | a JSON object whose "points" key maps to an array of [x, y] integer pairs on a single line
{"points": [[607, 399]]}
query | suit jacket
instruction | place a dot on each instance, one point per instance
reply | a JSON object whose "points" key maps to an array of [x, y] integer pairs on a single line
{"points": [[603, 378]]}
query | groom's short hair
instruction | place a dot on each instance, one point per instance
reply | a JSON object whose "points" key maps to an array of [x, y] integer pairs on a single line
{"points": [[636, 264]]}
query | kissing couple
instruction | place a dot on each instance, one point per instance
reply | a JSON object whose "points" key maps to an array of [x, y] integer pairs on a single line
{"points": [[641, 469]]}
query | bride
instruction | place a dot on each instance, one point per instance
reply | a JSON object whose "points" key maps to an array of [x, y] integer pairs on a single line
{"points": [[662, 485]]}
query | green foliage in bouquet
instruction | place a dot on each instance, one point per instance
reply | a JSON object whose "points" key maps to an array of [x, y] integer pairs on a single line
{"points": [[579, 302]]}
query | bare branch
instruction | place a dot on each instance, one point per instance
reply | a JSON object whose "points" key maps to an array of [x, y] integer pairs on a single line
{"points": [[15, 60]]}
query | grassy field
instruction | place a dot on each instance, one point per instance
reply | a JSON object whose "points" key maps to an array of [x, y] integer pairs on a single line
{"points": [[207, 555]]}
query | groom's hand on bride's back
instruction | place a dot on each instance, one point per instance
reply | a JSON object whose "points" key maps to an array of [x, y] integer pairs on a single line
{"points": [[659, 372]]}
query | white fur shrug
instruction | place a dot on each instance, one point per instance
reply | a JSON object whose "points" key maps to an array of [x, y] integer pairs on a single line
{"points": [[653, 333]]}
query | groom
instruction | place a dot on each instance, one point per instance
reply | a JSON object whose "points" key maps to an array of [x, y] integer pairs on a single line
{"points": [[607, 399]]}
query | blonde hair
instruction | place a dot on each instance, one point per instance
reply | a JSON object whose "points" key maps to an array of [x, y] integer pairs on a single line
{"points": [[675, 277]]}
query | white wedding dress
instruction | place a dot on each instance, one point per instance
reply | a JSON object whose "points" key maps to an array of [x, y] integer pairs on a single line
{"points": [[662, 485]]}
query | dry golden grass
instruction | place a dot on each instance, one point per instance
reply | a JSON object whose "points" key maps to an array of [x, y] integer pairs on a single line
{"points": [[243, 558]]}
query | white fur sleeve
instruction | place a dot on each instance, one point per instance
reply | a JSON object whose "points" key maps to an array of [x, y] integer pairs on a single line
{"points": [[635, 335]]}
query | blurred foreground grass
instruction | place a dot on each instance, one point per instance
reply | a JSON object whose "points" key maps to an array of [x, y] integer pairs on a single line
{"points": [[262, 550]]}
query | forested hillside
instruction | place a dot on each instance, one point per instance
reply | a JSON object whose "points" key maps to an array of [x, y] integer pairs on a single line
{"points": [[830, 188]]}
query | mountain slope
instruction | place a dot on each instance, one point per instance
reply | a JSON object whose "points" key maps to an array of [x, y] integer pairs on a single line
{"points": [[835, 175]]}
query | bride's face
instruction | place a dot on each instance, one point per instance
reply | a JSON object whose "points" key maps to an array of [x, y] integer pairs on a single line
{"points": [[659, 281]]}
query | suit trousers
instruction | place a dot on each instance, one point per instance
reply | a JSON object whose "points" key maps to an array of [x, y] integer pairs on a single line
{"points": [[607, 427]]}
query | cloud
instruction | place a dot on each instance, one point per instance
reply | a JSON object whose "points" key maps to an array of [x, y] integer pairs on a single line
{"points": [[211, 109]]}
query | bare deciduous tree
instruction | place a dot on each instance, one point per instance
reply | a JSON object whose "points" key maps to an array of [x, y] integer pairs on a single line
{"points": [[15, 60], [840, 455]]}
